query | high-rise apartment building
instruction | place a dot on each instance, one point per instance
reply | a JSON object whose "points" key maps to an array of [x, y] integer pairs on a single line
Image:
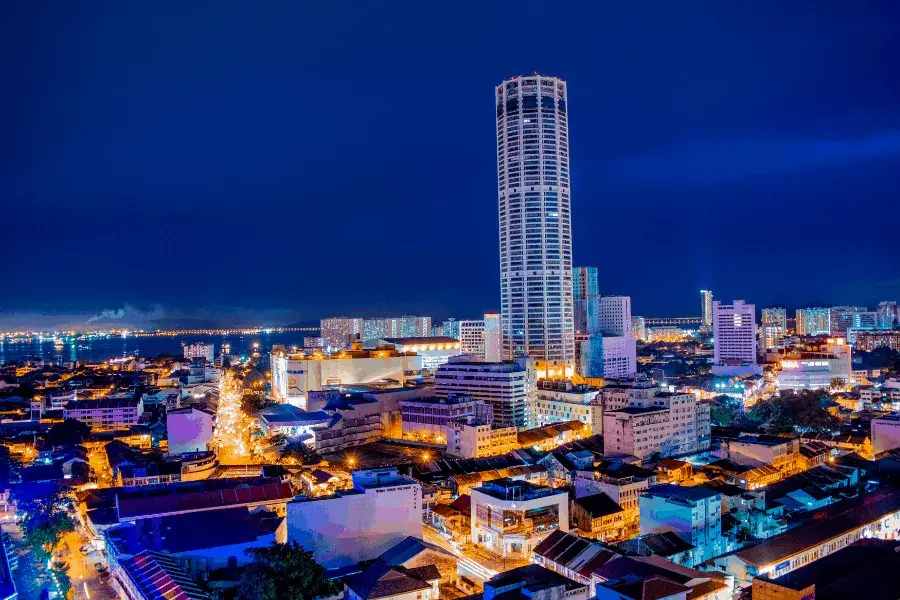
{"points": [[706, 309], [586, 298], [340, 332], [775, 316], [535, 222], [199, 350], [481, 337], [888, 314], [639, 328], [396, 327], [449, 328], [734, 338], [814, 321]]}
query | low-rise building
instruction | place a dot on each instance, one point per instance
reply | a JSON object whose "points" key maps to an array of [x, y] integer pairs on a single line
{"points": [[561, 400], [510, 518], [471, 437], [532, 582], [646, 577], [693, 513], [885, 433], [428, 419], [382, 509], [757, 451], [292, 422], [865, 569], [105, 414], [189, 430], [152, 575], [833, 528], [572, 556], [380, 581], [598, 517]]}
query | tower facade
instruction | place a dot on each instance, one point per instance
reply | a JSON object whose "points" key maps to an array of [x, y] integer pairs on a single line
{"points": [[537, 316], [706, 309]]}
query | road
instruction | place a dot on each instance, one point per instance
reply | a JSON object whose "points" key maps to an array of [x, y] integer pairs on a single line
{"points": [[86, 581]]}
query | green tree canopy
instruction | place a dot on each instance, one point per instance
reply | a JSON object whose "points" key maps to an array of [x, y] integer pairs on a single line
{"points": [[283, 572]]}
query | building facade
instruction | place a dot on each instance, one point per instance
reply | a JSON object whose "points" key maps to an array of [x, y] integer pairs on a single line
{"points": [[558, 401], [693, 513], [340, 332], [200, 350], [535, 222], [481, 337], [734, 338], [105, 414], [506, 386], [586, 293], [813, 321], [706, 309]]}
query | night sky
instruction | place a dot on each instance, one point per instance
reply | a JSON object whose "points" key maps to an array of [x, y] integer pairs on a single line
{"points": [[338, 158]]}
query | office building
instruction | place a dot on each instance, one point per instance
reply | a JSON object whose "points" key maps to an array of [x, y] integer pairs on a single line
{"points": [[870, 340], [559, 400], [189, 430], [199, 350], [706, 309], [506, 386], [639, 329], [510, 518], [295, 374], [607, 355], [383, 509], [396, 327], [340, 332], [586, 300], [692, 513], [813, 321], [817, 370], [105, 414], [663, 424], [615, 315], [734, 338], [535, 222], [481, 337], [885, 433]]}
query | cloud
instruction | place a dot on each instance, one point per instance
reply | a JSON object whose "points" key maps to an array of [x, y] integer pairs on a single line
{"points": [[718, 161]]}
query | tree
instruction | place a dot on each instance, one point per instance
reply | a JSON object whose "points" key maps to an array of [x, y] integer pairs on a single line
{"points": [[70, 431], [722, 416], [253, 402], [46, 518], [838, 384], [299, 451], [283, 572]]}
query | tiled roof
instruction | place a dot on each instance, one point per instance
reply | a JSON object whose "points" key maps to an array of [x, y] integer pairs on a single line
{"points": [[159, 577], [382, 581], [598, 505], [204, 500]]}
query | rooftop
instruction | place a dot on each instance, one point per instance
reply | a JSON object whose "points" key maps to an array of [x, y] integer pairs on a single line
{"points": [[509, 489], [598, 505], [680, 492], [380, 580], [158, 575], [532, 578], [103, 403], [827, 523]]}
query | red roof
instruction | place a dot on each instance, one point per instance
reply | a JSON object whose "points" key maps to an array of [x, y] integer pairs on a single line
{"points": [[208, 500]]}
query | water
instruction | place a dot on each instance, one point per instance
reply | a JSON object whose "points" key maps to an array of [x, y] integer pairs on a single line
{"points": [[103, 348]]}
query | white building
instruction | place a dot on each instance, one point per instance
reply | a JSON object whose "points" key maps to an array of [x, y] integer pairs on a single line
{"points": [[663, 423], [506, 386], [608, 355], [734, 338], [189, 430], [885, 433], [693, 513], [382, 509], [535, 222], [706, 309], [615, 315], [816, 370], [105, 414], [200, 350], [481, 337], [340, 332], [295, 374], [509, 518], [558, 401]]}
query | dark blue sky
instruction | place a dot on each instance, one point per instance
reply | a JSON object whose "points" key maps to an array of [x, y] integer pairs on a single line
{"points": [[338, 157]]}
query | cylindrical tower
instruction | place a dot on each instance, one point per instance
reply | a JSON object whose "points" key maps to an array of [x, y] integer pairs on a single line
{"points": [[535, 222]]}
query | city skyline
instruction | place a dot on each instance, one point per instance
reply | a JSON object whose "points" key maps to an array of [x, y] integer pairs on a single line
{"points": [[658, 156]]}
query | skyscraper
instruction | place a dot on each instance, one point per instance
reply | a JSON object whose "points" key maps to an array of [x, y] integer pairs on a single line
{"points": [[734, 338], [535, 222], [814, 321], [706, 309], [586, 296]]}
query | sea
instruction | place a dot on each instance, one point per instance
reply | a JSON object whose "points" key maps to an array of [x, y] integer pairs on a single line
{"points": [[97, 349]]}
